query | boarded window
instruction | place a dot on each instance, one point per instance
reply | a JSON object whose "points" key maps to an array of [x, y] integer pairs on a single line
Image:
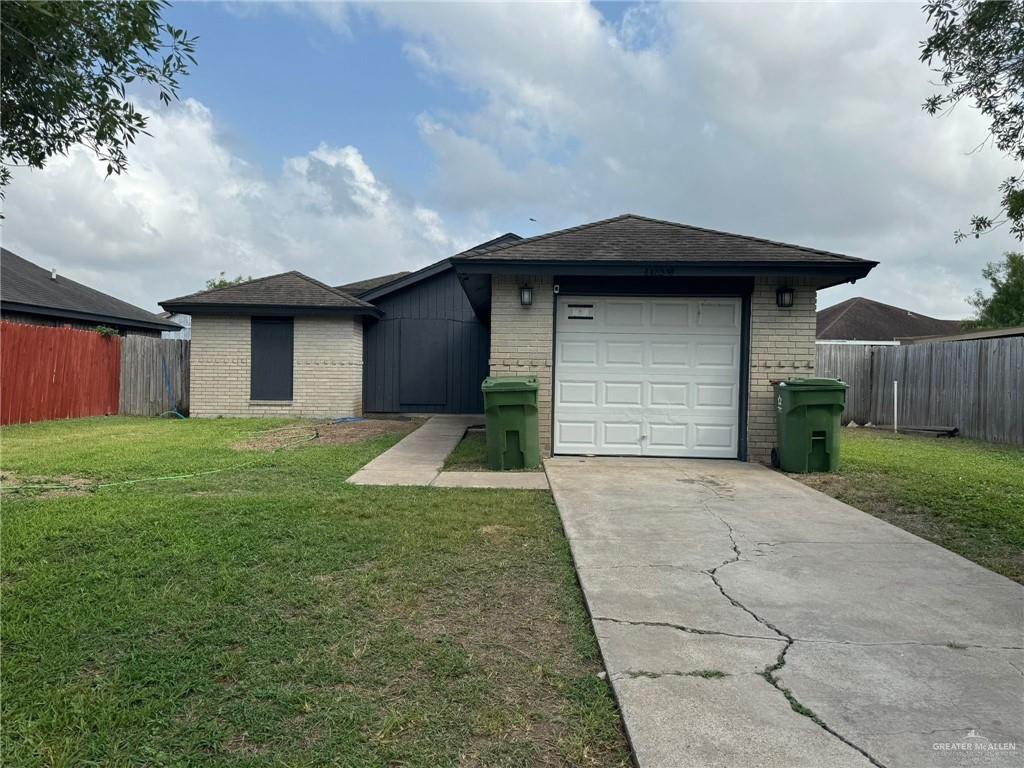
{"points": [[271, 371]]}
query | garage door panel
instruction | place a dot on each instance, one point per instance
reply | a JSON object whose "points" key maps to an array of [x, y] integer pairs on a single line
{"points": [[623, 393], [577, 393], [577, 352], [647, 376], [623, 352]]}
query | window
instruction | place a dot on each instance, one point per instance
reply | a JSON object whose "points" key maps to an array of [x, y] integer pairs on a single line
{"points": [[271, 371]]}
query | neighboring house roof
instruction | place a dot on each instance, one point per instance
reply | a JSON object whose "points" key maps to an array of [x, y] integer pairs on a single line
{"points": [[360, 287], [31, 289], [866, 320], [632, 238], [286, 293], [988, 333]]}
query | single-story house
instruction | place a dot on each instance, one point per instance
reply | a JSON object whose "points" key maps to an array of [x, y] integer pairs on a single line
{"points": [[647, 337], [863, 321], [37, 296]]}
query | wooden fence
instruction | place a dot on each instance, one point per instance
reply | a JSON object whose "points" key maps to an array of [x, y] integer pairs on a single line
{"points": [[154, 376], [977, 386], [56, 373]]}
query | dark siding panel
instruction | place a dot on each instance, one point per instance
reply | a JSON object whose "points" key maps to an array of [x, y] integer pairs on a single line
{"points": [[271, 358], [389, 367]]}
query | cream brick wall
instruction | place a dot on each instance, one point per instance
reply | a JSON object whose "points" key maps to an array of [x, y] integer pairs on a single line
{"points": [[781, 346], [521, 339], [327, 373]]}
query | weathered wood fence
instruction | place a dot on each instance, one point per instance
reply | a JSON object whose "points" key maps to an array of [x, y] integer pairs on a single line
{"points": [[49, 372], [977, 386], [154, 376]]}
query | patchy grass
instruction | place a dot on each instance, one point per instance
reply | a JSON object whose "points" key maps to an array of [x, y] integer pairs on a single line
{"points": [[470, 455], [269, 614], [965, 495]]}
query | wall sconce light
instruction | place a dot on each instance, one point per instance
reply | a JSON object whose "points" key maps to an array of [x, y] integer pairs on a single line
{"points": [[784, 297], [526, 295]]}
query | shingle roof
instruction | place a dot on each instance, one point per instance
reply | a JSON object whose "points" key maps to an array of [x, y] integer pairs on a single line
{"points": [[362, 286], [288, 289], [860, 319], [637, 238], [27, 287]]}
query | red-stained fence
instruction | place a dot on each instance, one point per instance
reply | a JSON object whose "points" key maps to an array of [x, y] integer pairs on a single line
{"points": [[57, 373]]}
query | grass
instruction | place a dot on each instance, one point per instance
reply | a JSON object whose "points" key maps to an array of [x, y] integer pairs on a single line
{"points": [[269, 614], [470, 455], [965, 495]]}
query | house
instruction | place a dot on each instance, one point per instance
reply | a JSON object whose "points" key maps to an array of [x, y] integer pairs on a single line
{"points": [[184, 322], [968, 335], [36, 296], [647, 337], [863, 321]]}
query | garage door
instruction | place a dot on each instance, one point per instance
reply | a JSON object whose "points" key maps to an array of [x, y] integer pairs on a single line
{"points": [[647, 376]]}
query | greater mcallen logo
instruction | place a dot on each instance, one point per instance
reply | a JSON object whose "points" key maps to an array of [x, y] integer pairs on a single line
{"points": [[975, 742]]}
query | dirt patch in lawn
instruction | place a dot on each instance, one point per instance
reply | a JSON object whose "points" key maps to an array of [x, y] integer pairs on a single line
{"points": [[39, 487], [304, 435]]}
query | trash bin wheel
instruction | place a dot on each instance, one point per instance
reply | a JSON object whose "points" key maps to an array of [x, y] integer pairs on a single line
{"points": [[775, 458]]}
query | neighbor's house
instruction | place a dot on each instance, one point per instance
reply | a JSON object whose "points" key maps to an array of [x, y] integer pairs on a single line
{"points": [[647, 337], [37, 296], [863, 321], [184, 332]]}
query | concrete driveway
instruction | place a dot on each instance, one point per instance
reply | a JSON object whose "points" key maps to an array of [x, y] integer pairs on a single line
{"points": [[748, 621]]}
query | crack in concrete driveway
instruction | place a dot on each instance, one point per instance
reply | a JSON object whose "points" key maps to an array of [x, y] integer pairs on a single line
{"points": [[707, 579]]}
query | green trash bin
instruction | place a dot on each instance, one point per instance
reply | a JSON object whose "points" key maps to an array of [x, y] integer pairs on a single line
{"points": [[808, 418], [510, 405]]}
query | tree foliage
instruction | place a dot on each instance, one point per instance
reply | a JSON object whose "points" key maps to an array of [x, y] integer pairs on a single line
{"points": [[977, 48], [1005, 307], [64, 70], [223, 281]]}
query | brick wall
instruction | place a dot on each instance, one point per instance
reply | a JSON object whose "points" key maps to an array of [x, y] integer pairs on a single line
{"points": [[781, 346], [521, 339], [327, 368]]}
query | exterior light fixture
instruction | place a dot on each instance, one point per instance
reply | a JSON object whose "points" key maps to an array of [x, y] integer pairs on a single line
{"points": [[784, 297], [526, 295]]}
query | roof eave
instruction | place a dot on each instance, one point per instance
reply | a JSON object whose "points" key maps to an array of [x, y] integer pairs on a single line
{"points": [[268, 309], [404, 282], [92, 317], [830, 273]]}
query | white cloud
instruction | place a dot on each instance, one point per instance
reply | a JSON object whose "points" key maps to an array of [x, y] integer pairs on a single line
{"points": [[189, 208], [798, 122]]}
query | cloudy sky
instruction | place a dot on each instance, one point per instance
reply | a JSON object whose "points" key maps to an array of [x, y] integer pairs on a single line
{"points": [[348, 141]]}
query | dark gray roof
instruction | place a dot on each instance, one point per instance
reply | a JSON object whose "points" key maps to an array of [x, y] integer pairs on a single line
{"points": [[27, 287], [860, 319], [630, 237], [288, 290], [360, 287]]}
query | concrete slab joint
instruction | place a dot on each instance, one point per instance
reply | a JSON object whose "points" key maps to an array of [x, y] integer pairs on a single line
{"points": [[746, 620]]}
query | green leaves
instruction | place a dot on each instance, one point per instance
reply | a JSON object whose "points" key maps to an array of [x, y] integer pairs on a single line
{"points": [[63, 71], [977, 48], [1005, 307]]}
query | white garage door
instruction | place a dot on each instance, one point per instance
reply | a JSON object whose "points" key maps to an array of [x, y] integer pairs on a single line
{"points": [[647, 376]]}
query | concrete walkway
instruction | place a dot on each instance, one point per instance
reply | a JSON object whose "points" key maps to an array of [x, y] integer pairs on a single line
{"points": [[418, 457], [748, 621]]}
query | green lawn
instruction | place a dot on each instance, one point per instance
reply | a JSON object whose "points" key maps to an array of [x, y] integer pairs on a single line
{"points": [[966, 495], [470, 455], [269, 614]]}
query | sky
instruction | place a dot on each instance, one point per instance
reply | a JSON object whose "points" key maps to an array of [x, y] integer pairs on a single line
{"points": [[347, 141]]}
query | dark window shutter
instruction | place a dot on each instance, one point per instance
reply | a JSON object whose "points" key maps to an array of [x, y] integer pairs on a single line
{"points": [[271, 371]]}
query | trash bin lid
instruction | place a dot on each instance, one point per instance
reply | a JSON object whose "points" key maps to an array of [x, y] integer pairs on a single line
{"points": [[813, 384], [509, 384]]}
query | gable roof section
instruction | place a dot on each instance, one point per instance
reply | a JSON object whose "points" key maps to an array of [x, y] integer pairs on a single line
{"points": [[860, 319], [286, 293], [632, 238], [27, 287], [411, 278], [360, 287]]}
